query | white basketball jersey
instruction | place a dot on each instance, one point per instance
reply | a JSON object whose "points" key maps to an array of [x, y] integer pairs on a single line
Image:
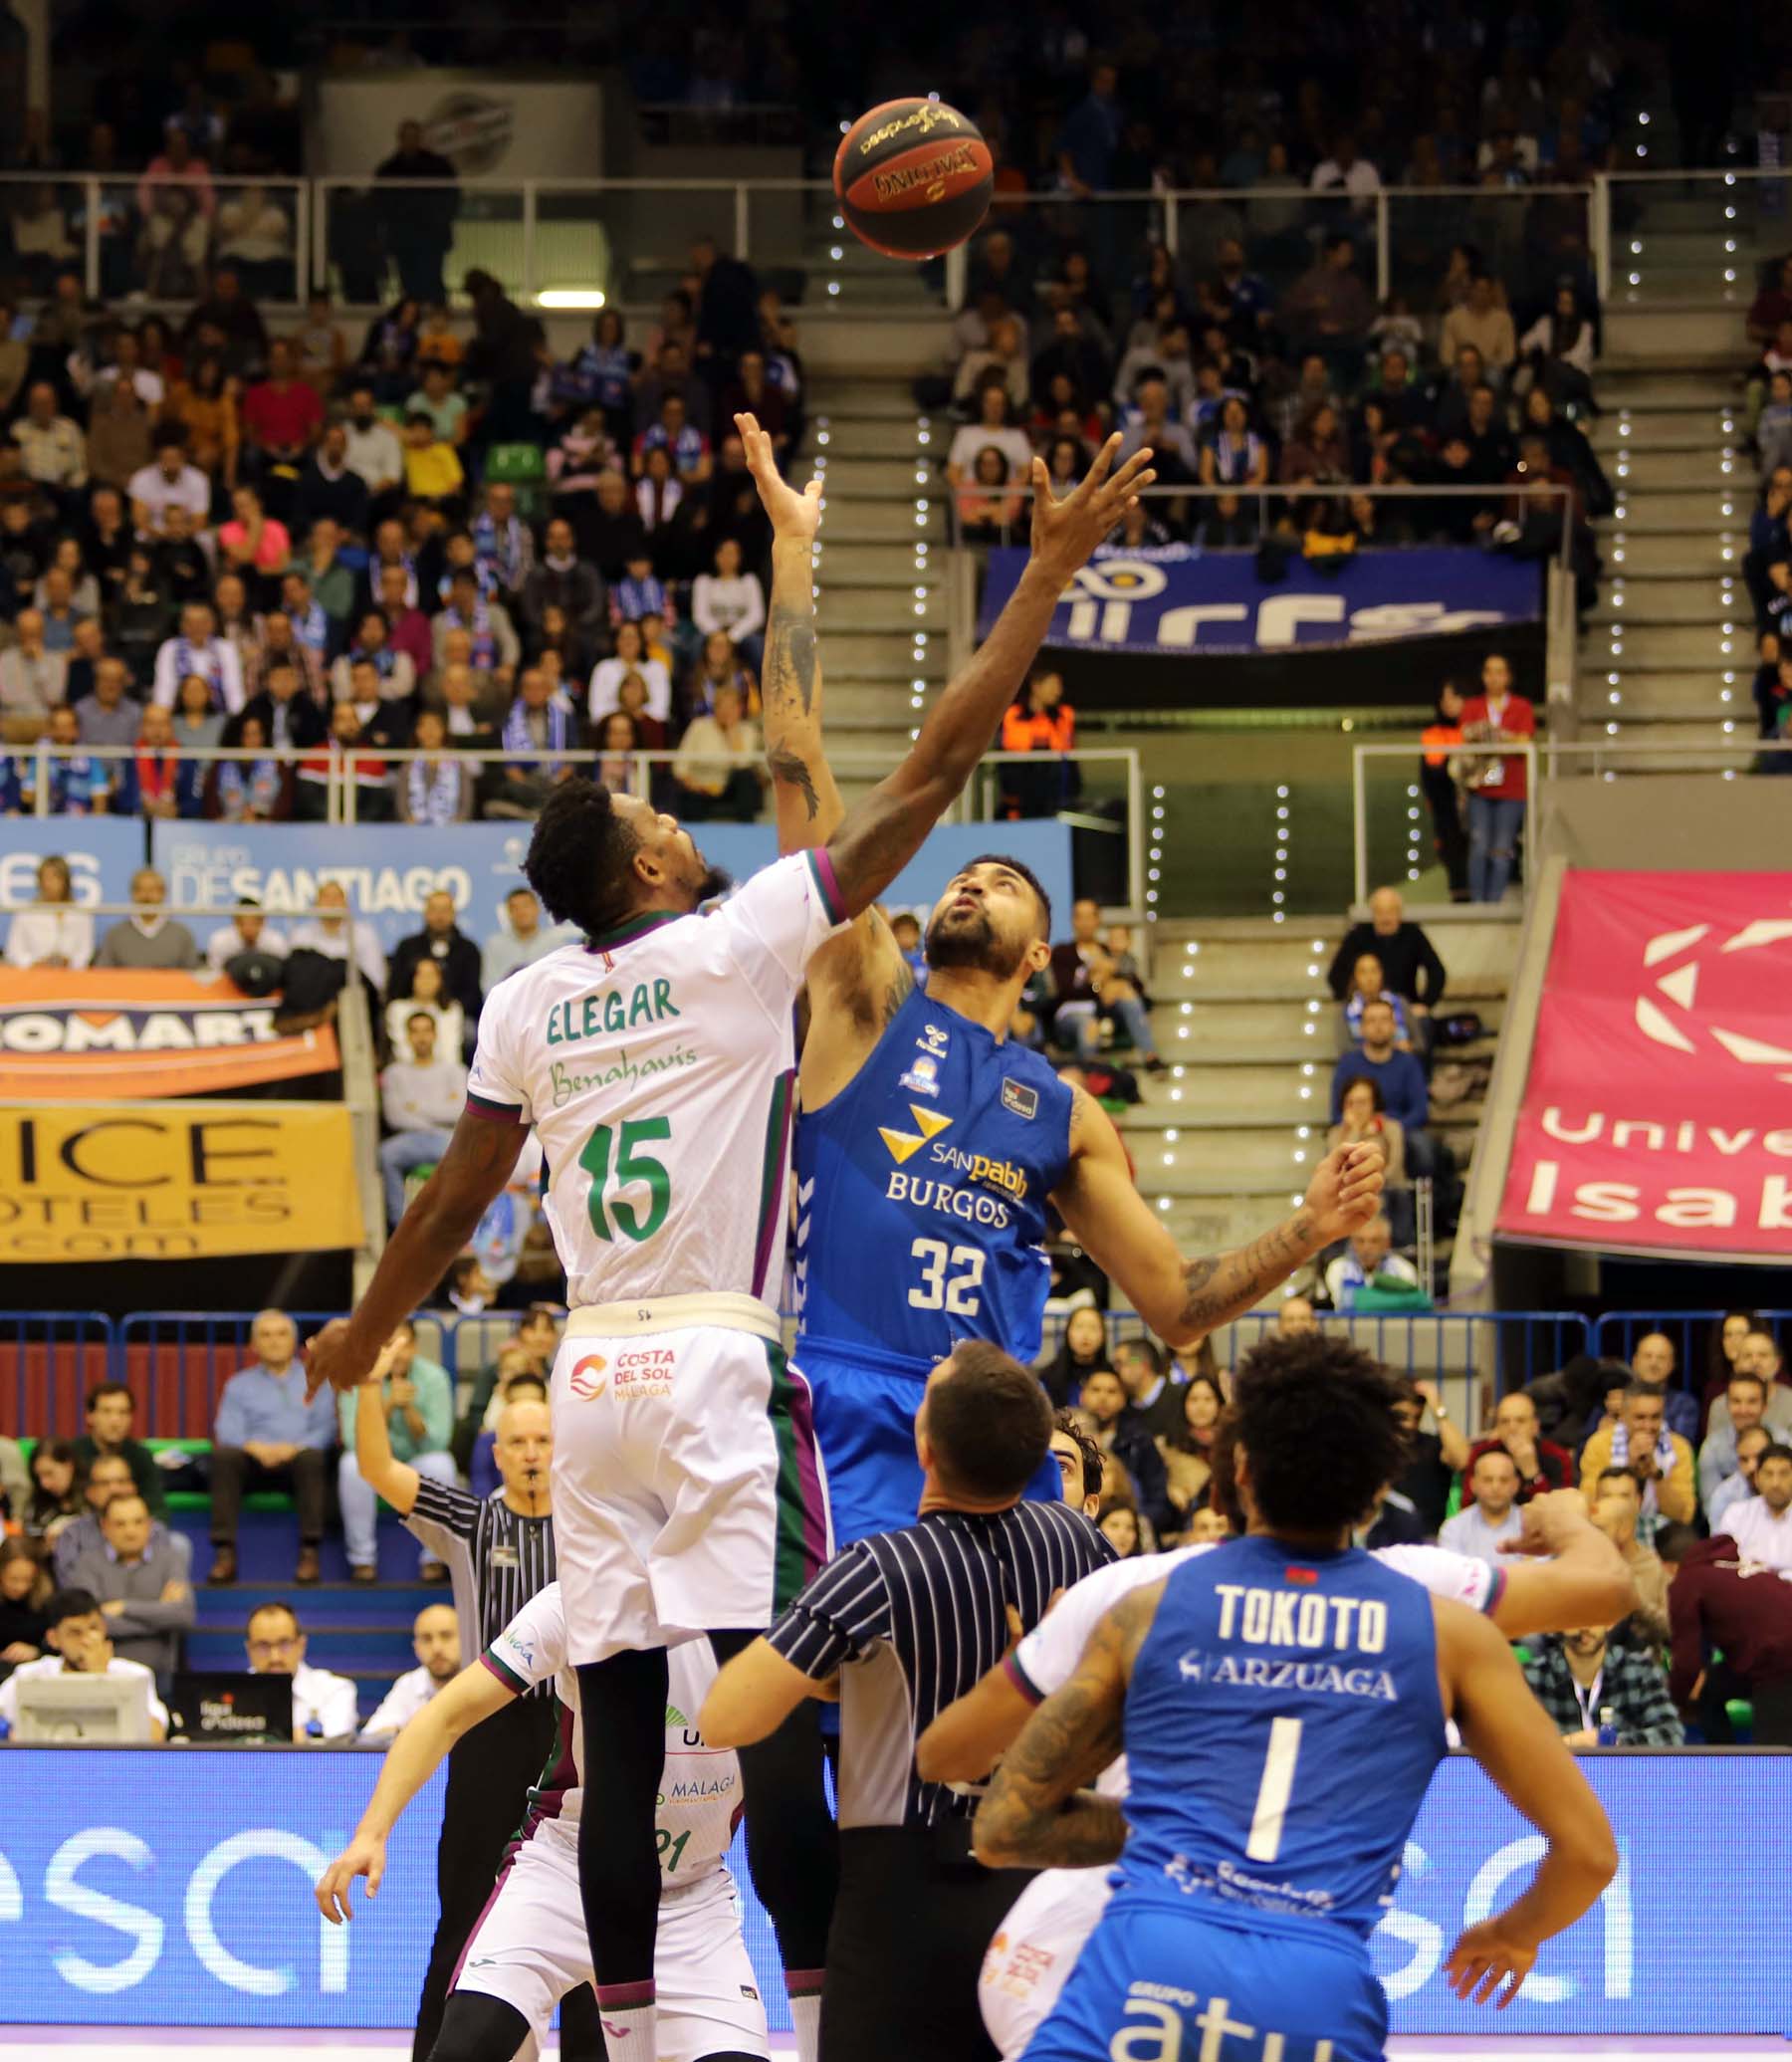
{"points": [[658, 1064], [700, 1787]]}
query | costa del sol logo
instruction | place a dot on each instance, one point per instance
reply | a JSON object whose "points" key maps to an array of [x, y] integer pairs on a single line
{"points": [[1702, 973], [588, 1379]]}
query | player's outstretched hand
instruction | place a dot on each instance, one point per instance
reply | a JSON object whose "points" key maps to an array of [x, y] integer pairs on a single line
{"points": [[364, 1856], [1486, 1958], [1066, 532], [1345, 1191], [332, 1358], [795, 517]]}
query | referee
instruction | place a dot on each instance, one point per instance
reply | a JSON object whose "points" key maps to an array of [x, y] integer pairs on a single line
{"points": [[907, 1620], [499, 1552]]}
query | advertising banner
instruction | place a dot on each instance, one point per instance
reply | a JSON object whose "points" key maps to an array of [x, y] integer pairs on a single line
{"points": [[174, 1180], [102, 853], [1657, 1110], [173, 1888], [487, 125], [391, 869], [122, 1031], [1202, 629]]}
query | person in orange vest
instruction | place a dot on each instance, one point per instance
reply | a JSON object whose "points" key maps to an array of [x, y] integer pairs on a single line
{"points": [[1040, 720], [1441, 737]]}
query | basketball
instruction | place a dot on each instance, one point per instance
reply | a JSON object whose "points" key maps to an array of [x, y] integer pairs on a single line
{"points": [[913, 178]]}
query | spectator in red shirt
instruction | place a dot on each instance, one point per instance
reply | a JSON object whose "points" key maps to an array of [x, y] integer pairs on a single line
{"points": [[1717, 1599], [1499, 788], [282, 419], [1543, 1465]]}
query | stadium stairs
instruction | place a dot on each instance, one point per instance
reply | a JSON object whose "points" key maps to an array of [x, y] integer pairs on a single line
{"points": [[1668, 654], [1228, 1137]]}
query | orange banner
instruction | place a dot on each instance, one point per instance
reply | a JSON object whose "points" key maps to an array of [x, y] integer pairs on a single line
{"points": [[67, 1036]]}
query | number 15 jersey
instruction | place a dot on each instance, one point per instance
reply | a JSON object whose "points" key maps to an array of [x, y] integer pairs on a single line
{"points": [[656, 1064], [921, 1192]]}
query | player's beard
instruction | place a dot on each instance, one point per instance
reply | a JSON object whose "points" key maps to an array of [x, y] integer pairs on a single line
{"points": [[970, 941], [716, 882]]}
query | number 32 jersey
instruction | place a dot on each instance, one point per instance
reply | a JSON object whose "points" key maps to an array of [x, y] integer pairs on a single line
{"points": [[922, 1191], [656, 1064]]}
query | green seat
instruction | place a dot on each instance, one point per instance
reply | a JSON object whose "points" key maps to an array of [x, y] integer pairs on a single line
{"points": [[524, 467]]}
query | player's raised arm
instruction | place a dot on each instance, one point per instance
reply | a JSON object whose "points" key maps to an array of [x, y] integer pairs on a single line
{"points": [[1184, 1299], [475, 1694], [1514, 1740], [809, 802], [1576, 1576], [882, 834]]}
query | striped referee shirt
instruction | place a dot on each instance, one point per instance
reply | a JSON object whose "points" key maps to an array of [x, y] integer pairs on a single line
{"points": [[498, 1560], [913, 1620]]}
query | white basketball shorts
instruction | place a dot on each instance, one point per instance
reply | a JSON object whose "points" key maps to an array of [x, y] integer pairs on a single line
{"points": [[1035, 1951]]}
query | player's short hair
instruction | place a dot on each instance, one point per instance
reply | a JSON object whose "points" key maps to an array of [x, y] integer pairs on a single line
{"points": [[1070, 1426], [101, 1390], [1026, 874], [1315, 1416], [988, 1422], [70, 1603], [579, 857]]}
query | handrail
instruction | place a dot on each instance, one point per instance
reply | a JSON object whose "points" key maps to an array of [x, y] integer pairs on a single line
{"points": [[1551, 751], [310, 255]]}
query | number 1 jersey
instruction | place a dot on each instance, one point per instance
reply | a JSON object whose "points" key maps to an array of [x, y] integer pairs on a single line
{"points": [[656, 1064], [922, 1189]]}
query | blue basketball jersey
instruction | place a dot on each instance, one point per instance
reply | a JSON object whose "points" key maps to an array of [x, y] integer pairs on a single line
{"points": [[921, 1192], [1281, 1728]]}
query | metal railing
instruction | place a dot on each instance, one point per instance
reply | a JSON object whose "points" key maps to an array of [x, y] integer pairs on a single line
{"points": [[374, 240], [1601, 758], [341, 785]]}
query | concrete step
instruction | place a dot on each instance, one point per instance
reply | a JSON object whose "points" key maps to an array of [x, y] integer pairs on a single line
{"points": [[1680, 469], [1687, 645], [874, 437], [1664, 330], [867, 521], [1662, 393], [1679, 553], [848, 475], [1670, 592], [1704, 508], [838, 403], [1184, 1029], [865, 651], [1673, 697], [1727, 742], [1478, 959], [1711, 431], [890, 559]]}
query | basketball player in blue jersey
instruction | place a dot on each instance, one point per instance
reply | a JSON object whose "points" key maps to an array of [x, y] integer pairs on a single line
{"points": [[1281, 1703], [929, 1145]]}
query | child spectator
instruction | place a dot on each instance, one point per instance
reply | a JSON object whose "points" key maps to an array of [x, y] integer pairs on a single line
{"points": [[432, 467]]}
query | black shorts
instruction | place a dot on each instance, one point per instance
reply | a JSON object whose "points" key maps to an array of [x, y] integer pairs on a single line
{"points": [[912, 1921]]}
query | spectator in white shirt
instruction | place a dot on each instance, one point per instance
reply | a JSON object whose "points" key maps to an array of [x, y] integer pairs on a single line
{"points": [[33, 679], [323, 1705], [330, 932], [1761, 1524], [82, 1642], [631, 656], [1345, 172], [374, 449], [435, 1641], [170, 481], [247, 930], [993, 426], [1482, 1526], [422, 1098], [198, 649], [1369, 1257], [733, 601], [52, 932], [1741, 1486]]}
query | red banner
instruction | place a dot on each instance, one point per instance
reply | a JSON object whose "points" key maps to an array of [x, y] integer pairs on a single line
{"points": [[117, 1033], [1658, 1111]]}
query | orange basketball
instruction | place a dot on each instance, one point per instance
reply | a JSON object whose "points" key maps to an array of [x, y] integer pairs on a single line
{"points": [[913, 178]]}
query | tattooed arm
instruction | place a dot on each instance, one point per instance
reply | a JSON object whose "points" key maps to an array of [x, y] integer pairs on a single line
{"points": [[1035, 1813], [1184, 1299], [858, 980]]}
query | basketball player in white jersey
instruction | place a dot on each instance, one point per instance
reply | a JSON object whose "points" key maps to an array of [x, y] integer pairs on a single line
{"points": [[1585, 1582], [654, 1059], [529, 1947]]}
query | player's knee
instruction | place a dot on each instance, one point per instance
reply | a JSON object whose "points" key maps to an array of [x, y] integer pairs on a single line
{"points": [[476, 2027]]}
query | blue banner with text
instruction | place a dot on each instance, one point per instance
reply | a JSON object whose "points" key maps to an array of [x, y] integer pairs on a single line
{"points": [[389, 869], [172, 1886]]}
